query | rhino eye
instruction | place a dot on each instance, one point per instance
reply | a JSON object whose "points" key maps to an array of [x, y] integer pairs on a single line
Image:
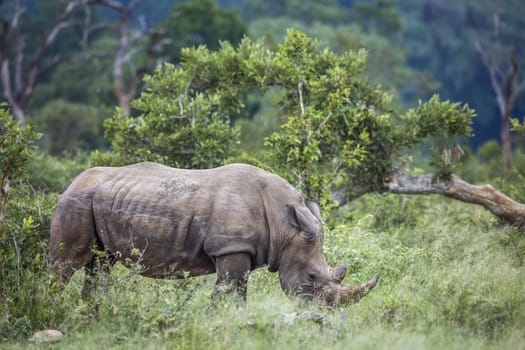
{"points": [[313, 275]]}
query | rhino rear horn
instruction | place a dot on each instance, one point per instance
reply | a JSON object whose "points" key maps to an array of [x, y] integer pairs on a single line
{"points": [[314, 208], [298, 218]]}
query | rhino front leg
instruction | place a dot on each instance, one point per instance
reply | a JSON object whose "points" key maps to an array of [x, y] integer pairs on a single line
{"points": [[232, 271]]}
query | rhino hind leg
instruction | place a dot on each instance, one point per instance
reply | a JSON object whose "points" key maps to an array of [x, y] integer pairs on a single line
{"points": [[101, 263], [73, 238], [66, 257], [232, 275]]}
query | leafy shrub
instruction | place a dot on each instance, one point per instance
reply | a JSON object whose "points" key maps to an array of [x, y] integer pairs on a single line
{"points": [[26, 290], [24, 222], [16, 145], [359, 247], [389, 212]]}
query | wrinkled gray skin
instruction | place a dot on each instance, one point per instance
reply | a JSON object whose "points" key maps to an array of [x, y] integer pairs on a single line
{"points": [[177, 223]]}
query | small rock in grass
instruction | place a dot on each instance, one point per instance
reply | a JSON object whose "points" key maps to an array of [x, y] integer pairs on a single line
{"points": [[48, 336]]}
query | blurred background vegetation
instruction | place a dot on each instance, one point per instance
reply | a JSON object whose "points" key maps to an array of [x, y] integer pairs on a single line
{"points": [[415, 48]]}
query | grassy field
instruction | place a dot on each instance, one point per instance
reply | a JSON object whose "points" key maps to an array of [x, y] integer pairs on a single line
{"points": [[451, 278]]}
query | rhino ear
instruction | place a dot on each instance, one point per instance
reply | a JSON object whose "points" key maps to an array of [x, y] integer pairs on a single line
{"points": [[314, 208], [298, 218]]}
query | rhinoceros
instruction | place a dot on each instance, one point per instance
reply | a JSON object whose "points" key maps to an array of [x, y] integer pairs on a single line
{"points": [[179, 223]]}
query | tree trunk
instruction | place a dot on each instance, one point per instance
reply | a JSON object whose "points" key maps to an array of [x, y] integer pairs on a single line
{"points": [[505, 142], [506, 86], [5, 76], [487, 196], [18, 113], [124, 101]]}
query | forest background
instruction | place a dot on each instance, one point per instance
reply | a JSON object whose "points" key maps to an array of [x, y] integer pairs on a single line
{"points": [[415, 48], [72, 75]]}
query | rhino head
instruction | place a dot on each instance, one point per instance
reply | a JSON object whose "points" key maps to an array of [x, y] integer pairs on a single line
{"points": [[303, 269]]}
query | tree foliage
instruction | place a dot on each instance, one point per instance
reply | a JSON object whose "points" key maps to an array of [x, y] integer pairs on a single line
{"points": [[340, 130], [375, 26], [23, 240], [181, 126], [350, 130], [16, 144]]}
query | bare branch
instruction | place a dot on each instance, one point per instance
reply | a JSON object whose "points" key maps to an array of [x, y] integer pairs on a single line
{"points": [[53, 34], [159, 47], [20, 47], [153, 48], [497, 35], [512, 72], [87, 29], [493, 74], [50, 66], [505, 86], [301, 103], [25, 72], [520, 88], [16, 17], [6, 81], [125, 91], [486, 196], [116, 5], [323, 123], [142, 22]]}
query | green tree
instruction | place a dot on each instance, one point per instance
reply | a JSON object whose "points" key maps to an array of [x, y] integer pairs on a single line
{"points": [[343, 129], [375, 26], [16, 144], [342, 133], [179, 125]]}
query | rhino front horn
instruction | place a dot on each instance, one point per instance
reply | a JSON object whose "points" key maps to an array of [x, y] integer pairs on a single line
{"points": [[342, 295], [372, 283], [340, 273]]}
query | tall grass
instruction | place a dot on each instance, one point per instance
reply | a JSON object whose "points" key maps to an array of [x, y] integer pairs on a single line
{"points": [[447, 281]]}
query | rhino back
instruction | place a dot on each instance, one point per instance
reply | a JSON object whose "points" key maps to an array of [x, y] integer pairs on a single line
{"points": [[179, 220]]}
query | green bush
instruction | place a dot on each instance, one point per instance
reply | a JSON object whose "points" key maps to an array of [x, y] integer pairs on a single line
{"points": [[24, 230], [27, 292]]}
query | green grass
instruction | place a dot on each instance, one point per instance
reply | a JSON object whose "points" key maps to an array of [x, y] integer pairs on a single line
{"points": [[449, 280]]}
